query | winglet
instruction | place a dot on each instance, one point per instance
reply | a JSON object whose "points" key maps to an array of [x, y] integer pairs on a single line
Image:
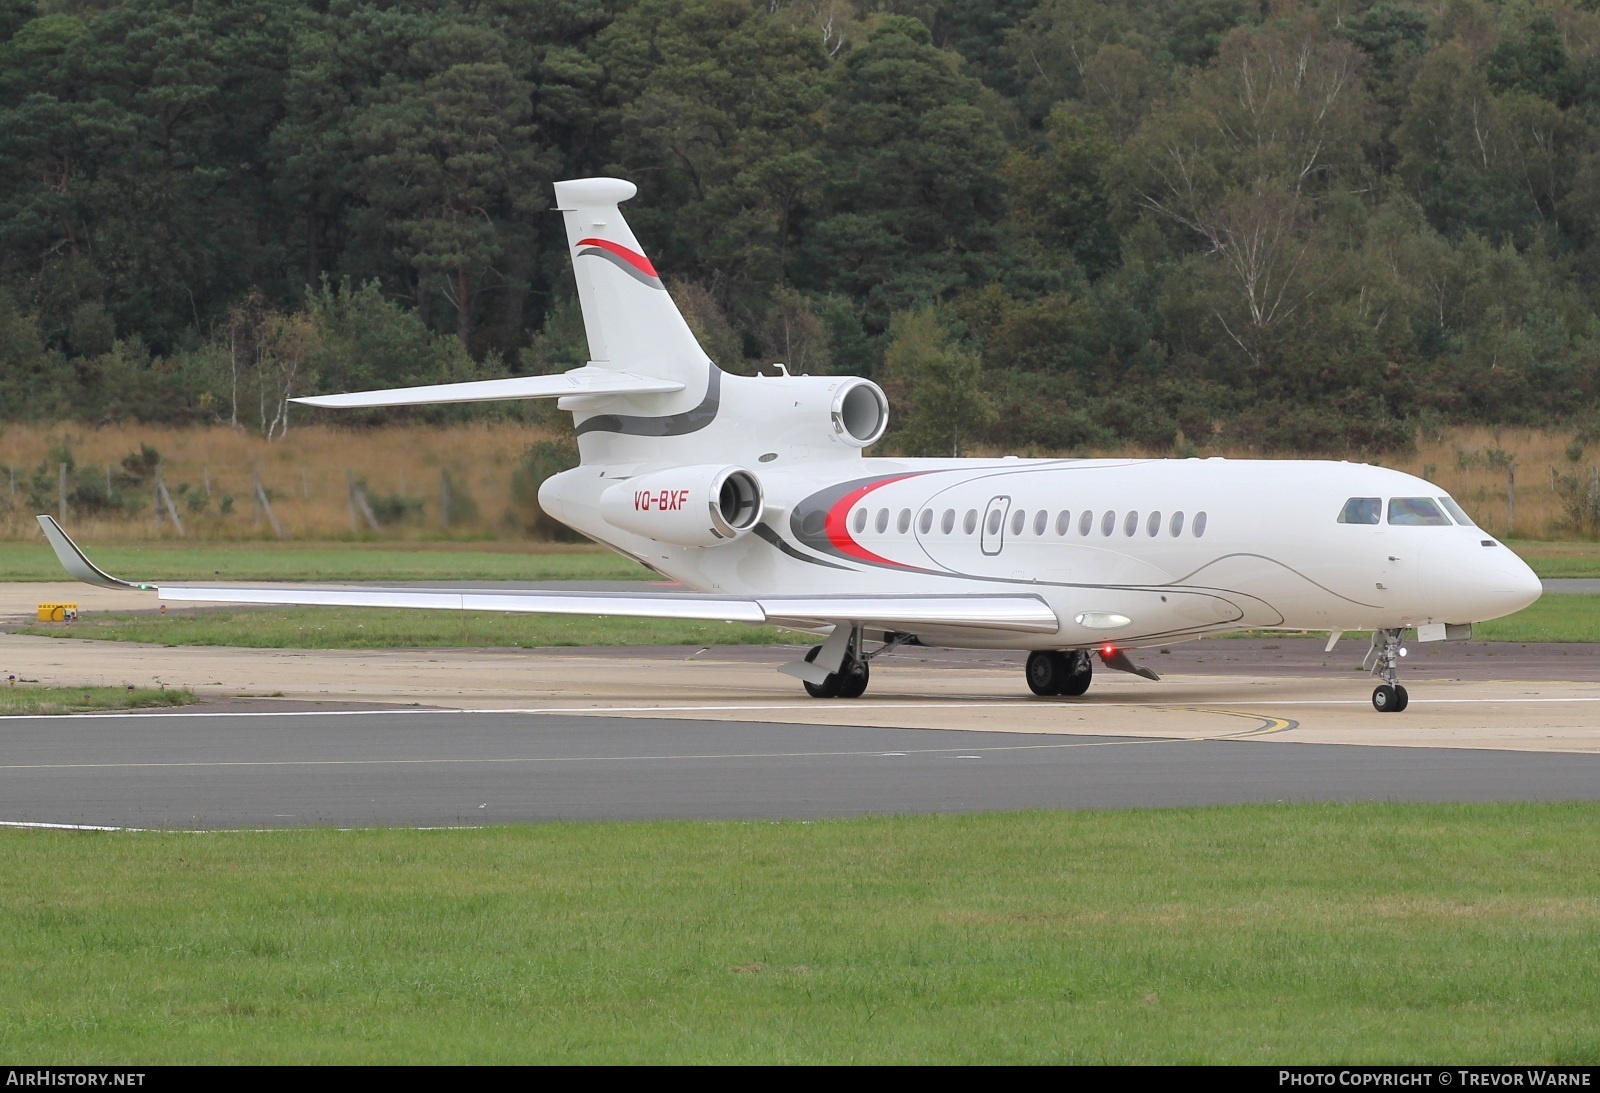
{"points": [[77, 564]]}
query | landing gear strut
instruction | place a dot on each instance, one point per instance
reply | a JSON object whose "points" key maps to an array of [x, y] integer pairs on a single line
{"points": [[1052, 672], [1384, 662], [850, 681]]}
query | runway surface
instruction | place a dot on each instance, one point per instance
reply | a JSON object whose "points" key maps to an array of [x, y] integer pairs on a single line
{"points": [[432, 768]]}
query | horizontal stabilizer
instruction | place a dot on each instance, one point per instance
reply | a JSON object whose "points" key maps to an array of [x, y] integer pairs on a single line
{"points": [[579, 381]]}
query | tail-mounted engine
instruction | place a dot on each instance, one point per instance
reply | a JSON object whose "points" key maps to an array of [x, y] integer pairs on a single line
{"points": [[686, 506], [855, 411]]}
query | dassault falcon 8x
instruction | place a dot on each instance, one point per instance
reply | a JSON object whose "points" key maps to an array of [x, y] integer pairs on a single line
{"points": [[756, 494]]}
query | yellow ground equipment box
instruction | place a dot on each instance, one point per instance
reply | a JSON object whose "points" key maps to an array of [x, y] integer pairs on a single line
{"points": [[57, 612]]}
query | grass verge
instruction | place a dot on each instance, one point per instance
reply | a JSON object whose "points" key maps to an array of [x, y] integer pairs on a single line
{"points": [[1264, 934], [15, 700], [252, 561], [1550, 618], [1551, 559], [1553, 618], [386, 628]]}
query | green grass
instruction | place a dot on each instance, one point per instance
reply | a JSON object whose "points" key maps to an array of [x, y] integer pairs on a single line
{"points": [[1265, 935], [386, 628], [1550, 618], [168, 561], [1566, 559], [510, 561], [25, 699]]}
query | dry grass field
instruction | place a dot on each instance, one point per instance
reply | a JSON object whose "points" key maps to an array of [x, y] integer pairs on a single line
{"points": [[307, 479]]}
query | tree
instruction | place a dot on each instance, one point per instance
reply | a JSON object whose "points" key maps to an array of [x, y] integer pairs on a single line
{"points": [[942, 382], [913, 194]]}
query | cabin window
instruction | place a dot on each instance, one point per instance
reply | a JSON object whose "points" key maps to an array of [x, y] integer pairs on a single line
{"points": [[1153, 528], [995, 516], [1085, 522], [1040, 519], [1108, 522], [1361, 510], [970, 524], [903, 525], [948, 524], [1130, 526], [1019, 520], [1416, 512], [1175, 528], [925, 521], [883, 521], [1457, 511], [861, 520], [1063, 522], [1199, 524]]}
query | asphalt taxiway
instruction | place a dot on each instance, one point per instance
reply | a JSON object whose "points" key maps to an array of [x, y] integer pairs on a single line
{"points": [[466, 736]]}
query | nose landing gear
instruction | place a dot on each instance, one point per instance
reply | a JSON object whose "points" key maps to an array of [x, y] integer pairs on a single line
{"points": [[1383, 661]]}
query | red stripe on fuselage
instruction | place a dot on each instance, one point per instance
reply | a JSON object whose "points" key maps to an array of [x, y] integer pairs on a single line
{"points": [[633, 258], [837, 525]]}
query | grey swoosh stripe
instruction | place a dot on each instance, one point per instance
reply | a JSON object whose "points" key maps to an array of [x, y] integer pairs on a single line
{"points": [[621, 263], [766, 533], [690, 421]]}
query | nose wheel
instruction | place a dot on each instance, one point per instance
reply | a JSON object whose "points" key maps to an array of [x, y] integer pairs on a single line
{"points": [[1384, 662]]}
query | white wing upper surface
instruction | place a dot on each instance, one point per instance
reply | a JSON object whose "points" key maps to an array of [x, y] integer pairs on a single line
{"points": [[1024, 613]]}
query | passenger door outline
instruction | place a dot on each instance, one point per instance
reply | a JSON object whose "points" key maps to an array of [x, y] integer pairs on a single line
{"points": [[992, 543]]}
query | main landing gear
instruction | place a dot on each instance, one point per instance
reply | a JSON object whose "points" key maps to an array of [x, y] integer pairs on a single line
{"points": [[1052, 672], [1383, 661], [850, 681]]}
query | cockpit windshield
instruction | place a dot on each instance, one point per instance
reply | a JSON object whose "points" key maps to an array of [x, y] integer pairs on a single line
{"points": [[1361, 510], [1457, 511], [1416, 512]]}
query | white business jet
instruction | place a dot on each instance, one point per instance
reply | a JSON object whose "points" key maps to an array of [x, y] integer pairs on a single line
{"points": [[755, 493]]}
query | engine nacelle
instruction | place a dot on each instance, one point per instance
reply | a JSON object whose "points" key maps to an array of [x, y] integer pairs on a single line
{"points": [[686, 506], [854, 411]]}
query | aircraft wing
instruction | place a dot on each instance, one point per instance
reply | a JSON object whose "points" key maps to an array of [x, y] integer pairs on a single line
{"points": [[1025, 613], [579, 381]]}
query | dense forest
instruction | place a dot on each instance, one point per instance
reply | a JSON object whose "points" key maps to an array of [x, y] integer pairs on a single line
{"points": [[1041, 224]]}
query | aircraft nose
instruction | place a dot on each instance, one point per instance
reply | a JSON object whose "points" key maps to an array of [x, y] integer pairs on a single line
{"points": [[1511, 584]]}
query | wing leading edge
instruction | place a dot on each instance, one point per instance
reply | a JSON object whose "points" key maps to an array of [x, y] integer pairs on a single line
{"points": [[1022, 613]]}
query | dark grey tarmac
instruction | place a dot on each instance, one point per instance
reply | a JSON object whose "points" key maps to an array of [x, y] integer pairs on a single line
{"points": [[428, 768]]}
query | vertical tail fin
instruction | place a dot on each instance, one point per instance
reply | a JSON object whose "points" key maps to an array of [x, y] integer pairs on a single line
{"points": [[631, 321]]}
